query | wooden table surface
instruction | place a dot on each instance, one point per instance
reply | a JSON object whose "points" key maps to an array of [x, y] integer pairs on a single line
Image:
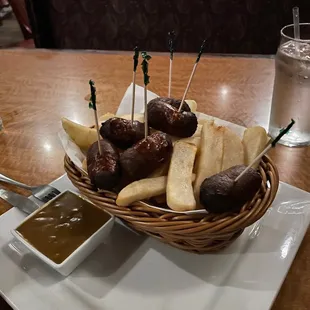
{"points": [[37, 88]]}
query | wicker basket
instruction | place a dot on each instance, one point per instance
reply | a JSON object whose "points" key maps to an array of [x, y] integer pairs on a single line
{"points": [[200, 233]]}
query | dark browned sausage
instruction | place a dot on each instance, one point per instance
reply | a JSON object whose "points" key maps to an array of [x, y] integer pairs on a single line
{"points": [[174, 102], [103, 170], [219, 193], [144, 157], [165, 117], [121, 132]]}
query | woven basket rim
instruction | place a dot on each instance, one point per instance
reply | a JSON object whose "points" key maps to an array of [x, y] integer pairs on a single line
{"points": [[148, 204], [199, 233]]}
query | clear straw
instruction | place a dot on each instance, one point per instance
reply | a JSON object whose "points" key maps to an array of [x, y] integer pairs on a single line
{"points": [[296, 26], [296, 22]]}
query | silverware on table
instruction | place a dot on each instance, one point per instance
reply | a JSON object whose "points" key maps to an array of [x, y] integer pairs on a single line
{"points": [[18, 201], [42, 192]]}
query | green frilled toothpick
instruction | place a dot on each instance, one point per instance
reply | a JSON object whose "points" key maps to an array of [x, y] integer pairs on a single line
{"points": [[171, 44], [202, 47], [92, 105], [270, 145], [145, 70], [135, 64]]}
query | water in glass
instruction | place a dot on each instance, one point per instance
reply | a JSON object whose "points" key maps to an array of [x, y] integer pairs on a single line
{"points": [[291, 93]]}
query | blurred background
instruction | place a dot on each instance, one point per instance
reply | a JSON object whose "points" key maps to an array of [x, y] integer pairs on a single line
{"points": [[230, 26]]}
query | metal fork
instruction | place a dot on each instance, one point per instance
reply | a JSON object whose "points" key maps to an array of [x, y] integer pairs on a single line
{"points": [[42, 192]]}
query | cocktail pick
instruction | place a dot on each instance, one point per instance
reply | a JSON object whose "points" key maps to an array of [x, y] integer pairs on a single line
{"points": [[270, 145], [135, 64], [193, 72], [92, 105], [145, 70], [171, 44]]}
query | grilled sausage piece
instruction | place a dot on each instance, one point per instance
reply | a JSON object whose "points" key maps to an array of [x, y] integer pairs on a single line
{"points": [[165, 117], [121, 132], [103, 170], [174, 102], [219, 193], [144, 157]]}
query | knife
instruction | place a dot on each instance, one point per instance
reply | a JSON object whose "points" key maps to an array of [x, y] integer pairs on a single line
{"points": [[18, 201]]}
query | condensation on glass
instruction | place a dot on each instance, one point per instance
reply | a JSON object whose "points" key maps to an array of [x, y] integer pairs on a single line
{"points": [[291, 92]]}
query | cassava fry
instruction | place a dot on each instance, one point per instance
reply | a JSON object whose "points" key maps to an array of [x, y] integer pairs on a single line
{"points": [[211, 154], [83, 136], [162, 199], [142, 189], [192, 104], [180, 195], [254, 141], [105, 117], [84, 164], [198, 131], [233, 153], [202, 121], [192, 140]]}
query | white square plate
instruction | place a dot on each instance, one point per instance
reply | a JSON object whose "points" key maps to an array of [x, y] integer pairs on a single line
{"points": [[135, 272]]}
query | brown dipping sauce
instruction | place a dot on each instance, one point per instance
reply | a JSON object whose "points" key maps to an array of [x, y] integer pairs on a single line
{"points": [[62, 226]]}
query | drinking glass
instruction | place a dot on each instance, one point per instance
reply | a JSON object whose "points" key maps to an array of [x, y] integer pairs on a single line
{"points": [[291, 91]]}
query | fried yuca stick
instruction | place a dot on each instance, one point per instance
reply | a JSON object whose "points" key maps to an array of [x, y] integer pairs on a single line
{"points": [[233, 153], [191, 140], [84, 164], [211, 154], [105, 117], [254, 141], [82, 136], [162, 199], [180, 195], [142, 189], [197, 132], [192, 105]]}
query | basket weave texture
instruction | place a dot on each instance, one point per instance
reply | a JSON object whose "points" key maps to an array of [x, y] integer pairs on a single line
{"points": [[200, 233]]}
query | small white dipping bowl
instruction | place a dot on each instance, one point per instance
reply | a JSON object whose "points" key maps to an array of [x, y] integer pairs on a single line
{"points": [[77, 256]]}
